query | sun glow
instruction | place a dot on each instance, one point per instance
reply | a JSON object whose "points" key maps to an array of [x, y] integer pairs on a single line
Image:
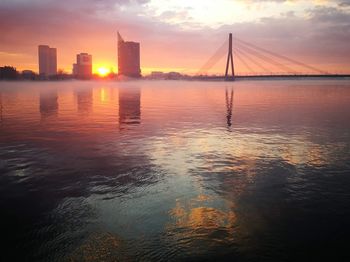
{"points": [[103, 71]]}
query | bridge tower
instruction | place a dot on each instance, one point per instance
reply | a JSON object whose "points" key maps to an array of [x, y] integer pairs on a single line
{"points": [[230, 62]]}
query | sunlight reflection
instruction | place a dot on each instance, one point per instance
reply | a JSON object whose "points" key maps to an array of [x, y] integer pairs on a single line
{"points": [[102, 95], [202, 217]]}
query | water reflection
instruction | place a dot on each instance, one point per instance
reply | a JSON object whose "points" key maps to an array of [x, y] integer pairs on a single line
{"points": [[229, 106], [202, 217], [84, 100], [129, 105], [181, 187], [48, 103], [101, 246]]}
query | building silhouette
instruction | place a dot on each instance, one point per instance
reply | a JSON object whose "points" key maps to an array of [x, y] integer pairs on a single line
{"points": [[28, 75], [129, 106], [47, 61], [82, 69], [128, 58], [8, 73]]}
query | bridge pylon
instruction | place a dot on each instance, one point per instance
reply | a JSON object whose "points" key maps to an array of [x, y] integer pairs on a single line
{"points": [[230, 62]]}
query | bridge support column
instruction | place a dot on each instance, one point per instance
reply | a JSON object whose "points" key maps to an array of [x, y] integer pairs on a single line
{"points": [[230, 62]]}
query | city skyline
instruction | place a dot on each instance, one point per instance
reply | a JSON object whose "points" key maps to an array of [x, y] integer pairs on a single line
{"points": [[177, 36]]}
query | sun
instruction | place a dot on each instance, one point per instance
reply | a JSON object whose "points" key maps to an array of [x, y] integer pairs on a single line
{"points": [[103, 71]]}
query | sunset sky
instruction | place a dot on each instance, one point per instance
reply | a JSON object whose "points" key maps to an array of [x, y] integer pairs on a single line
{"points": [[175, 35]]}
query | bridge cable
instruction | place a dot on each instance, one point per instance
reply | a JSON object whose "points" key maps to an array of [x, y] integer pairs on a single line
{"points": [[266, 58], [282, 57], [241, 59], [255, 62], [220, 52]]}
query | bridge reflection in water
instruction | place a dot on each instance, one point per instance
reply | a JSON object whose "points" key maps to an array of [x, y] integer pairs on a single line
{"points": [[178, 185], [229, 105]]}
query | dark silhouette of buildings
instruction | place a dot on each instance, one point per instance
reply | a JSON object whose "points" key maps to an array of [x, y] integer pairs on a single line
{"points": [[83, 67], [8, 73], [128, 58], [129, 106], [47, 61], [28, 75]]}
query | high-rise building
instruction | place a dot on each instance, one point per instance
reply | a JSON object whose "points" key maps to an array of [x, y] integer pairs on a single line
{"points": [[83, 68], [47, 61], [128, 58]]}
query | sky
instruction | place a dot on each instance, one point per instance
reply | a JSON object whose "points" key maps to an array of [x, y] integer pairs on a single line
{"points": [[175, 35]]}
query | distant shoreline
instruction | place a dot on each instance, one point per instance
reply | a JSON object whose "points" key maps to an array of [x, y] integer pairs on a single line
{"points": [[194, 78]]}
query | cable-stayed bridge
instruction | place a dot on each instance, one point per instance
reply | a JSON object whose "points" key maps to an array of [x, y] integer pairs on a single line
{"points": [[256, 62]]}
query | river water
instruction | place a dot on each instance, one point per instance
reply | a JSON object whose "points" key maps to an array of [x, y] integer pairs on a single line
{"points": [[175, 170]]}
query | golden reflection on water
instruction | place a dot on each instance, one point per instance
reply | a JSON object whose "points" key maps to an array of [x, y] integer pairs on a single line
{"points": [[198, 217], [102, 95], [202, 217]]}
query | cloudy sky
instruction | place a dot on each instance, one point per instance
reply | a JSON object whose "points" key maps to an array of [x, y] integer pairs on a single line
{"points": [[178, 35]]}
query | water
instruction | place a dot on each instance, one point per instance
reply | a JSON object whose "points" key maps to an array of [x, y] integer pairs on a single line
{"points": [[172, 171]]}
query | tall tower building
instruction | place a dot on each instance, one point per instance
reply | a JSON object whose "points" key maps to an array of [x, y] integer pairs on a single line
{"points": [[83, 68], [47, 61], [128, 58]]}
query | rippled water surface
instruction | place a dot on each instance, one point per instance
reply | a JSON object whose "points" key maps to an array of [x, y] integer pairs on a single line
{"points": [[175, 171]]}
